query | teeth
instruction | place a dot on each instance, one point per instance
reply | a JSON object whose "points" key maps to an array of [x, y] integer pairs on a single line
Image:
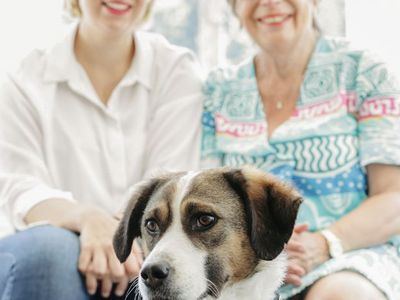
{"points": [[117, 6], [272, 20]]}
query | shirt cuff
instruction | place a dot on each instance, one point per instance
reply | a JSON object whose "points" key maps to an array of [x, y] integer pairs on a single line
{"points": [[31, 198]]}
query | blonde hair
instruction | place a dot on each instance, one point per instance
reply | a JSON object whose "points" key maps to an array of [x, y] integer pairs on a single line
{"points": [[73, 9], [232, 3]]}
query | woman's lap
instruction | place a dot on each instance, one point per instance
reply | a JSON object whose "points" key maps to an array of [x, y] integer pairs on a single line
{"points": [[41, 263], [380, 265], [344, 285]]}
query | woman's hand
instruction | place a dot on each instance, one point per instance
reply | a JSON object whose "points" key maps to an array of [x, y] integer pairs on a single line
{"points": [[294, 248], [98, 261], [306, 251]]}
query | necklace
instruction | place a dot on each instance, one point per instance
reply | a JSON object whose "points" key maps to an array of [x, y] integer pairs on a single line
{"points": [[279, 105]]}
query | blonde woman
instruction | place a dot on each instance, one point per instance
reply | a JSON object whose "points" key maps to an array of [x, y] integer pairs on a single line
{"points": [[79, 124], [324, 117]]}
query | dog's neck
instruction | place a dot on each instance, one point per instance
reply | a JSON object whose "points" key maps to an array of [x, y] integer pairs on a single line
{"points": [[268, 277]]}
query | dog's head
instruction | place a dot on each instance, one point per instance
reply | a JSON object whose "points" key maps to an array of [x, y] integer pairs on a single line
{"points": [[203, 231]]}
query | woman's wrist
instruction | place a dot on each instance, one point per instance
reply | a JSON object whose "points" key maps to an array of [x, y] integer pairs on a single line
{"points": [[86, 213], [334, 245], [323, 253]]}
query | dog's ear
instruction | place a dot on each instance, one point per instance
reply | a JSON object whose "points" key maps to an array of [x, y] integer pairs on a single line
{"points": [[129, 226], [271, 209]]}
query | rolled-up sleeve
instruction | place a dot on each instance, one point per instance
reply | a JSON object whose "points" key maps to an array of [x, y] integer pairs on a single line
{"points": [[379, 112], [24, 177]]}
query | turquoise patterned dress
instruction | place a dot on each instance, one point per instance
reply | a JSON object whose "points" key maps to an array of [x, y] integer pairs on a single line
{"points": [[347, 116]]}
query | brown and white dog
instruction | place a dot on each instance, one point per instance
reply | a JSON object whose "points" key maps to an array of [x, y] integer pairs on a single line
{"points": [[214, 234]]}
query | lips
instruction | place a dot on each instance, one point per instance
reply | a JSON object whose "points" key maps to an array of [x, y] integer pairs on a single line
{"points": [[117, 6], [274, 19]]}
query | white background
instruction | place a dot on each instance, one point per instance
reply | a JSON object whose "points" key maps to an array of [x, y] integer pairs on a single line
{"points": [[29, 24], [25, 25], [375, 24]]}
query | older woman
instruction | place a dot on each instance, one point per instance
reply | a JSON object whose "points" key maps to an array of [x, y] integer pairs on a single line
{"points": [[79, 124], [325, 118]]}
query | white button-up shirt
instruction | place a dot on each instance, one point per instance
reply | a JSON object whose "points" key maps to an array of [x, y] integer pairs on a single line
{"points": [[58, 140]]}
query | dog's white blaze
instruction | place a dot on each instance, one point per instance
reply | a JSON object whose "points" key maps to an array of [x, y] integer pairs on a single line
{"points": [[183, 188], [176, 248]]}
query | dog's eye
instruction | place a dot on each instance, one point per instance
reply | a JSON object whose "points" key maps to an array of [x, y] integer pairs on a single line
{"points": [[152, 226], [204, 222]]}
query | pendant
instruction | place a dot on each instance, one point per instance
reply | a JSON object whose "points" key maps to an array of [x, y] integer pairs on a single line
{"points": [[279, 105]]}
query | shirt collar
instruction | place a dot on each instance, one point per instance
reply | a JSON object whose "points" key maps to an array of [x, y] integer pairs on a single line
{"points": [[142, 64], [61, 63]]}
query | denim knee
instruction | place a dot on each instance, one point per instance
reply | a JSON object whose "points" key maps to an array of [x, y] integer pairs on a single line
{"points": [[44, 247], [7, 263], [45, 264]]}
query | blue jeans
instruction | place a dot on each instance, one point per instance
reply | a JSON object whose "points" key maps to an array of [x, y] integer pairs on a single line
{"points": [[41, 264]]}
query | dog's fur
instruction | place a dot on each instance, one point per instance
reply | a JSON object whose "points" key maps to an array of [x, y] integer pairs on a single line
{"points": [[236, 256]]}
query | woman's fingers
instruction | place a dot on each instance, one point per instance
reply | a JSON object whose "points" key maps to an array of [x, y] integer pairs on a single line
{"points": [[97, 260], [299, 228], [117, 270], [91, 283], [106, 287], [295, 270], [134, 261], [137, 251], [294, 273], [293, 279], [121, 286], [294, 246], [132, 266], [99, 265], [85, 258]]}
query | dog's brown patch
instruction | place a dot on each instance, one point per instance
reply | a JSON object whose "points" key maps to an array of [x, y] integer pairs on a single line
{"points": [[159, 208], [130, 225], [258, 182], [271, 209], [228, 239]]}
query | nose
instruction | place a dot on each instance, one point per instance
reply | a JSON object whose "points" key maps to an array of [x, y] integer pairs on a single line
{"points": [[155, 274]]}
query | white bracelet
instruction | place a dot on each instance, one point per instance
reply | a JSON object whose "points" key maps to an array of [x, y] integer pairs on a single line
{"points": [[334, 243]]}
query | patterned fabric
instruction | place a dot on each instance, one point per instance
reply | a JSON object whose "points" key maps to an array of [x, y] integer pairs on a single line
{"points": [[347, 116]]}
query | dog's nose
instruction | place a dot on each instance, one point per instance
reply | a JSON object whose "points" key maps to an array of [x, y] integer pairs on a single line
{"points": [[153, 275]]}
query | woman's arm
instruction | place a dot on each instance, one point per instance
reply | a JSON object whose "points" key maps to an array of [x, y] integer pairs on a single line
{"points": [[377, 219], [374, 222], [65, 214], [97, 260], [29, 193]]}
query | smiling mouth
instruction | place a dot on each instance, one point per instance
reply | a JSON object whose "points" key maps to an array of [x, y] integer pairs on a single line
{"points": [[274, 20], [117, 6]]}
